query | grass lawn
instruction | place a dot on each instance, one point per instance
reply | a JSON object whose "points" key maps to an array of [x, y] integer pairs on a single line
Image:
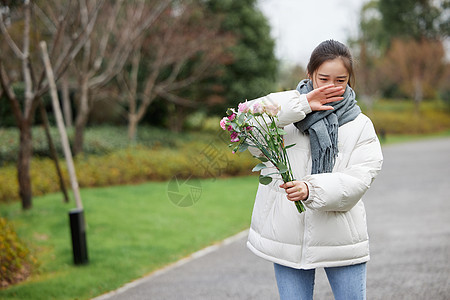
{"points": [[131, 231]]}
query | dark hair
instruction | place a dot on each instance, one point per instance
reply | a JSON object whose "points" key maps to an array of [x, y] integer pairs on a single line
{"points": [[329, 50]]}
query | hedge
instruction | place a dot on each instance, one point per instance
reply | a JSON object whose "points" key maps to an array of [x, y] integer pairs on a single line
{"points": [[98, 140], [401, 117], [16, 262], [132, 165]]}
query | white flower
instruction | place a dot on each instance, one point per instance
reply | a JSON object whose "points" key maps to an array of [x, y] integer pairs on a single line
{"points": [[271, 109]]}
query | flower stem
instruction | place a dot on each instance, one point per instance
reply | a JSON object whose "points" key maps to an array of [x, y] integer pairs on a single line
{"points": [[299, 206]]}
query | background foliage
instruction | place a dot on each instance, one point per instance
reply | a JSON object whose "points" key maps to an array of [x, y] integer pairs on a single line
{"points": [[252, 73]]}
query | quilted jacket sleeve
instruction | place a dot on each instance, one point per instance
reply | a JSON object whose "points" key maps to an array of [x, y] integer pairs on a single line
{"points": [[294, 107], [341, 190]]}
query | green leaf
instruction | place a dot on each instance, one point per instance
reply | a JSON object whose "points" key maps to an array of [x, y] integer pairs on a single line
{"points": [[271, 144], [281, 131], [259, 167], [266, 153], [274, 173], [243, 147], [261, 158], [282, 167], [265, 179], [241, 118], [229, 112], [291, 145]]}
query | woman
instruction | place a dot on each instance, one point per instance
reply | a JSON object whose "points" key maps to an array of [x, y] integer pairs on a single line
{"points": [[335, 159]]}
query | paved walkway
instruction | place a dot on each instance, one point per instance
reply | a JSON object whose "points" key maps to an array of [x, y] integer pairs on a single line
{"points": [[408, 211]]}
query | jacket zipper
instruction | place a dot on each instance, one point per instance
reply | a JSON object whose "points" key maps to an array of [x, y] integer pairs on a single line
{"points": [[302, 260]]}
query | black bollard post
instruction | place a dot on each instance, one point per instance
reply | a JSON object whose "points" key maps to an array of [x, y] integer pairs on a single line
{"points": [[78, 230]]}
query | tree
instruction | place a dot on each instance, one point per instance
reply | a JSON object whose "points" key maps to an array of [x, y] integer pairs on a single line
{"points": [[52, 21], [387, 29], [415, 56], [288, 76], [183, 48], [416, 66], [254, 68], [416, 19], [368, 48], [108, 48]]}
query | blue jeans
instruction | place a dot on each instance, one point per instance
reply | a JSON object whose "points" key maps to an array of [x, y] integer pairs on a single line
{"points": [[347, 283]]}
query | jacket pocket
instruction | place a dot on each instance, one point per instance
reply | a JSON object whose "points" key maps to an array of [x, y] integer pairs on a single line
{"points": [[352, 227]]}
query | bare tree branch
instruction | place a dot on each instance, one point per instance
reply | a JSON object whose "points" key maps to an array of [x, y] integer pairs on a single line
{"points": [[77, 42], [149, 20], [131, 31], [68, 54], [104, 41], [7, 89], [178, 52], [58, 33], [50, 24], [176, 99], [25, 59], [9, 40]]}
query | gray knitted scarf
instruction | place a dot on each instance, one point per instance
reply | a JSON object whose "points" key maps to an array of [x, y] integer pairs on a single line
{"points": [[322, 127]]}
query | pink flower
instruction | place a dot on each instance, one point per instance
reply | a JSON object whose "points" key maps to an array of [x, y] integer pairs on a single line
{"points": [[234, 137], [232, 117], [257, 108], [243, 107], [224, 122], [229, 128]]}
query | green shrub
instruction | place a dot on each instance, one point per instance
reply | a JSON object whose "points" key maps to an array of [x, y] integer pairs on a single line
{"points": [[9, 186], [133, 165], [200, 121], [15, 259], [400, 117], [98, 140]]}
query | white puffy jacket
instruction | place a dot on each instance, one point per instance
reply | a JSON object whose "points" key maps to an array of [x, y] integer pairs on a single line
{"points": [[333, 231]]}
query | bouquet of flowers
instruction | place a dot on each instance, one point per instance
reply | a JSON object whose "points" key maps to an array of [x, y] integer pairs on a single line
{"points": [[253, 125]]}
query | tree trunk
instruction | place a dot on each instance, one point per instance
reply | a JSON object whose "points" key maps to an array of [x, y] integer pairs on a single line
{"points": [[133, 117], [23, 165], [368, 100], [418, 93], [132, 127], [82, 117], [176, 118], [67, 108], [78, 142]]}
